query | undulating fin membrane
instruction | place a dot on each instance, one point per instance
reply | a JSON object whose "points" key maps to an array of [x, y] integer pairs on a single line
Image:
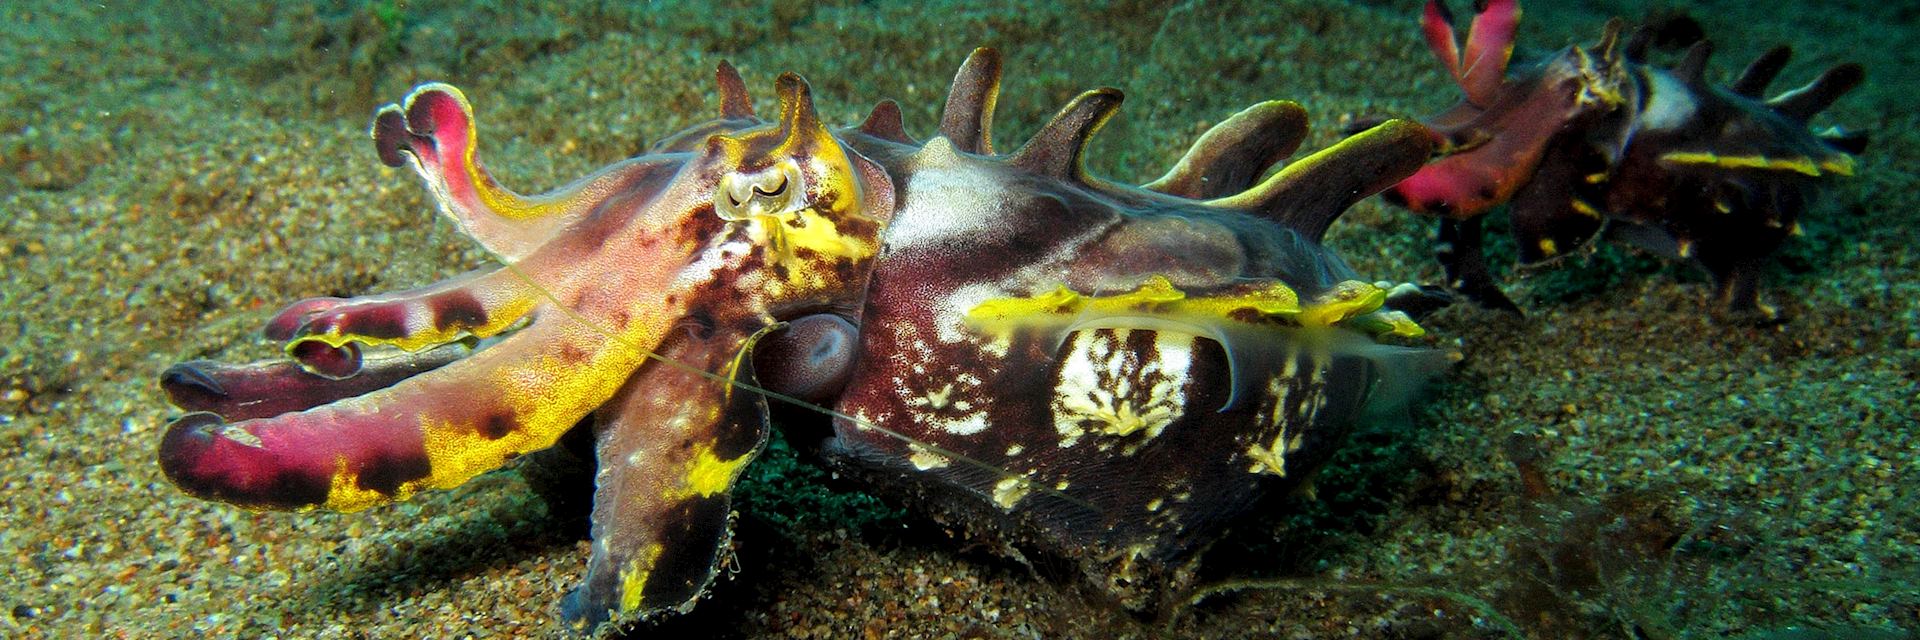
{"points": [[1308, 194], [967, 120], [1059, 148], [1231, 155], [1753, 82], [1802, 103], [1396, 377]]}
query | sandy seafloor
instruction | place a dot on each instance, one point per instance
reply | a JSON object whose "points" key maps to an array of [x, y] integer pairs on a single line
{"points": [[172, 175]]}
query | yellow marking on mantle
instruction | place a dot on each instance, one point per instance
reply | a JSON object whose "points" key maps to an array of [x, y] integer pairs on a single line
{"points": [[1346, 301], [1585, 209], [1841, 165]]}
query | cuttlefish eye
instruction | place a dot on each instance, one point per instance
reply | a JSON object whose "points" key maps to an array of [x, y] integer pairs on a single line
{"points": [[766, 192], [775, 190], [1596, 78]]}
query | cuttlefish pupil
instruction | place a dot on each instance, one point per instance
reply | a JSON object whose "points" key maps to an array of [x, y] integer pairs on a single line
{"points": [[765, 193]]}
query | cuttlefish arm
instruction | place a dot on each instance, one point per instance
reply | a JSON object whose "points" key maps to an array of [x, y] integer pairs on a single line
{"points": [[433, 132], [273, 387], [584, 334], [671, 445], [327, 341], [440, 428], [806, 216], [1490, 144], [641, 312], [1480, 65]]}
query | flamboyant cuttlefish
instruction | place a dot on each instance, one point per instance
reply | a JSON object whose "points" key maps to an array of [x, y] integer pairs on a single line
{"points": [[1593, 138], [1059, 363]]}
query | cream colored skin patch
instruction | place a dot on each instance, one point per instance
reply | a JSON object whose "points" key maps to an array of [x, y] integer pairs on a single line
{"points": [[965, 196], [951, 327], [946, 410], [1009, 491], [1106, 389], [925, 459], [1288, 412], [1272, 457], [1670, 104]]}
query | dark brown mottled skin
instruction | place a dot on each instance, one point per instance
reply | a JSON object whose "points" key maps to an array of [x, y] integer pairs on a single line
{"points": [[1597, 142]]}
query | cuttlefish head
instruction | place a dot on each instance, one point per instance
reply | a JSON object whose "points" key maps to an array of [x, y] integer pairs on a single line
{"points": [[695, 252], [811, 209], [1490, 144]]}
